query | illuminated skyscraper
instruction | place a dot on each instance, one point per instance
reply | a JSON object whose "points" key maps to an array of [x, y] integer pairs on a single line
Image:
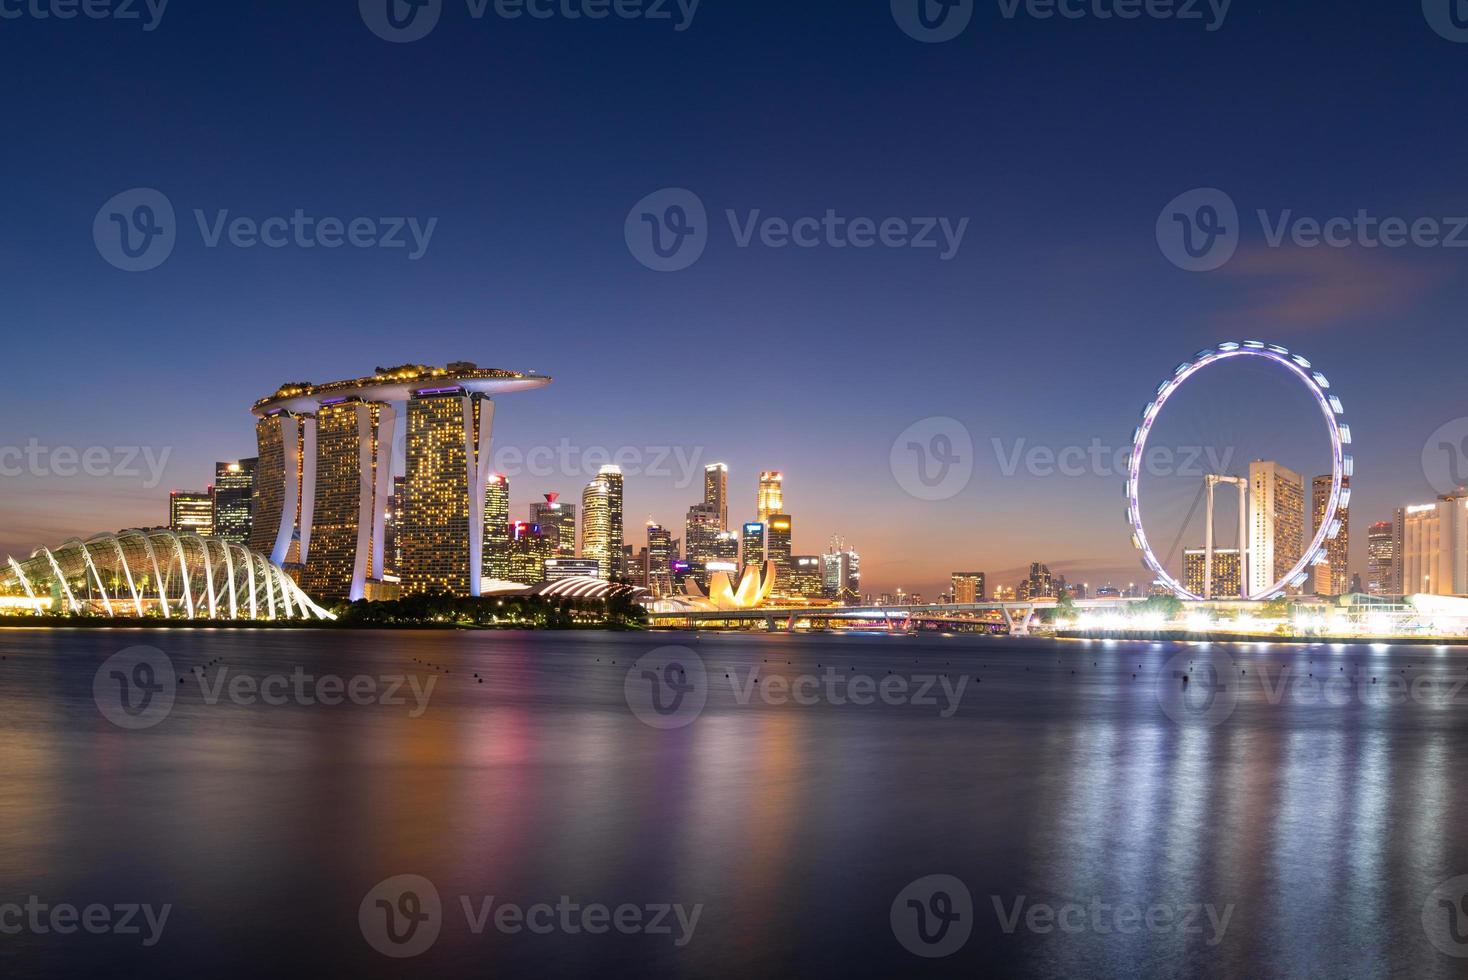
{"points": [[753, 545], [343, 504], [659, 560], [497, 530], [1276, 523], [716, 491], [601, 521], [562, 517], [191, 512], [528, 548], [771, 494], [777, 549], [1225, 571], [805, 577], [234, 500], [1332, 578], [725, 551], [314, 439], [1434, 555], [1040, 584], [968, 587], [1380, 559], [392, 554], [700, 529], [841, 573]]}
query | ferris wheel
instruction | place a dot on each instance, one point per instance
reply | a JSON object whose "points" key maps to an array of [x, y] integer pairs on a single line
{"points": [[1342, 465]]}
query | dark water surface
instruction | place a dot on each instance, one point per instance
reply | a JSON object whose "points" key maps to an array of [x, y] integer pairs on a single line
{"points": [[1101, 824]]}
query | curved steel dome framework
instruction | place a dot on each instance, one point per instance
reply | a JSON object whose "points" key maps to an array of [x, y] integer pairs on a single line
{"points": [[1341, 464], [155, 573]]}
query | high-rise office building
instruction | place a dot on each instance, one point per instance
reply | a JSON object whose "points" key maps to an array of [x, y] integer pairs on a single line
{"points": [[562, 517], [1276, 523], [1434, 555], [1380, 559], [777, 549], [528, 548], [234, 499], [1040, 584], [805, 577], [601, 521], [700, 528], [191, 511], [497, 530], [771, 494], [716, 491], [1226, 571], [752, 545], [968, 587], [725, 551], [841, 573], [1333, 578], [660, 557]]}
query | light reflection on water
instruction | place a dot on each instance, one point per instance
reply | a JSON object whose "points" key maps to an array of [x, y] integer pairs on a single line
{"points": [[1320, 827]]}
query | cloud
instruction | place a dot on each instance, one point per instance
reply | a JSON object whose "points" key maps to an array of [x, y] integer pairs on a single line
{"points": [[1313, 287]]}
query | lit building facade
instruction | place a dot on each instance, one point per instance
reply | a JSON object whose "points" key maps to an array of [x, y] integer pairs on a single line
{"points": [[1276, 523], [1434, 556], [805, 577], [1381, 559], [969, 587], [234, 500], [841, 573], [601, 521], [562, 517], [771, 495], [716, 491], [1226, 571], [777, 549], [529, 548], [332, 434], [191, 512], [497, 530], [660, 557], [752, 545], [1334, 577]]}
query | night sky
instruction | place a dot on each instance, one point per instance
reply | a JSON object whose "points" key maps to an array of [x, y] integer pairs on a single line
{"points": [[1058, 141]]}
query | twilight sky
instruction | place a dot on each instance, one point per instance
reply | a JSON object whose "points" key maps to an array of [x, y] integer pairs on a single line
{"points": [[1054, 145]]}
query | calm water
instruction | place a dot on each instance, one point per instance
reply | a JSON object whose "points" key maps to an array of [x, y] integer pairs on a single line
{"points": [[1254, 831]]}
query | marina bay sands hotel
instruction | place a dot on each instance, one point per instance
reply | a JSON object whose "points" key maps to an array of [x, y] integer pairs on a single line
{"points": [[325, 476]]}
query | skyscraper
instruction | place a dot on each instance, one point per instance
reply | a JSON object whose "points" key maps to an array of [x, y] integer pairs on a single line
{"points": [[191, 511], [234, 499], [392, 553], [553, 513], [442, 534], [805, 577], [968, 587], [341, 537], [497, 530], [601, 521], [700, 528], [1040, 584], [1226, 571], [1380, 559], [527, 550], [716, 491], [659, 559], [777, 549], [1434, 556], [1332, 578], [752, 545], [1276, 523], [841, 573], [771, 494]]}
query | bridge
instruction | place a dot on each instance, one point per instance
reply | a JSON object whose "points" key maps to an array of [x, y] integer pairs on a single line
{"points": [[1016, 618]]}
